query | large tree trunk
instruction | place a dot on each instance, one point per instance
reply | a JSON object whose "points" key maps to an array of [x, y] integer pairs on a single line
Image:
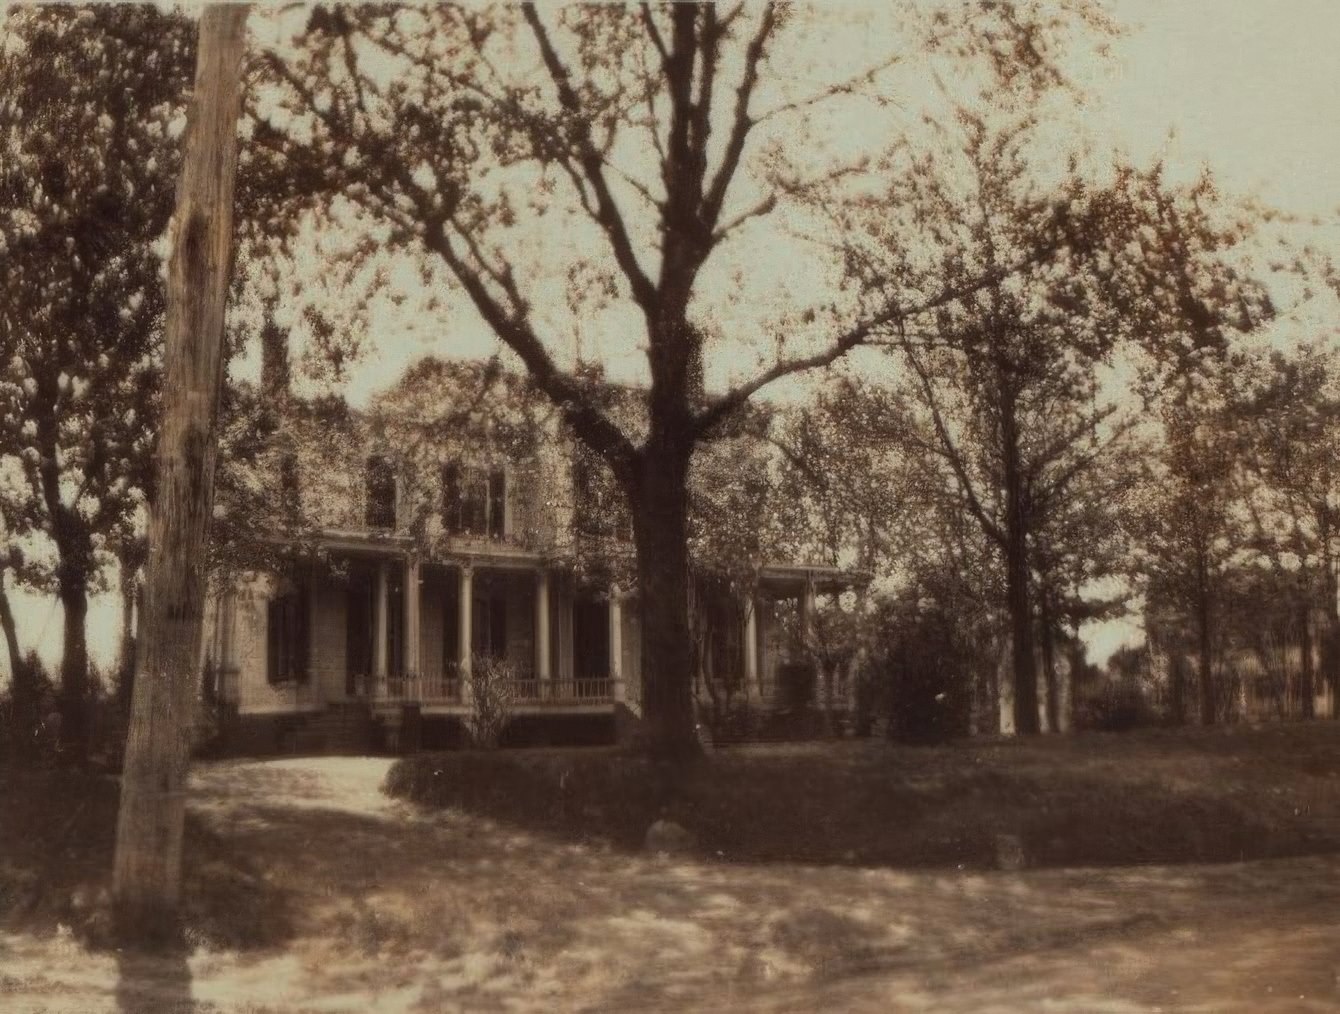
{"points": [[1330, 646], [125, 666], [1205, 650], [1307, 684], [74, 703], [147, 878], [16, 666], [1046, 630], [660, 528], [22, 688], [1018, 599], [1177, 684]]}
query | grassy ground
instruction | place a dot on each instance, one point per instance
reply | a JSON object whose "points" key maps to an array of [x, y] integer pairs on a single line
{"points": [[311, 890], [1152, 797]]}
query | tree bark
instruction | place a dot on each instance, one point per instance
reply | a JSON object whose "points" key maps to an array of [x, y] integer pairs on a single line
{"points": [[1018, 599], [16, 667], [1330, 646], [1177, 684], [126, 655], [147, 877], [660, 529], [1046, 627], [1307, 683], [1205, 650], [22, 688], [74, 703]]}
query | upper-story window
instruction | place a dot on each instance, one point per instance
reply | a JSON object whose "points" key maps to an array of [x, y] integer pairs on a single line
{"points": [[599, 508], [380, 501], [288, 482], [474, 500]]}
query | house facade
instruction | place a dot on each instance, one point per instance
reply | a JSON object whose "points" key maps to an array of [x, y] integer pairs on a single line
{"points": [[433, 545]]}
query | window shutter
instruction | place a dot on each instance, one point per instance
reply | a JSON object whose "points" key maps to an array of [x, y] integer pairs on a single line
{"points": [[451, 497], [498, 626], [476, 502], [497, 502], [380, 490], [274, 611], [288, 480]]}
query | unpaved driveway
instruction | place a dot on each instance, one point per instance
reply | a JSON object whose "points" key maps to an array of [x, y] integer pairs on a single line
{"points": [[388, 908]]}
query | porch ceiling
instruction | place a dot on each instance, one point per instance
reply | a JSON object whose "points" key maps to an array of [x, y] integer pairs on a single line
{"points": [[786, 580]]}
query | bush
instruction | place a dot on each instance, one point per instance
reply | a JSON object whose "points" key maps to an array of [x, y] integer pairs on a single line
{"points": [[29, 728], [1115, 706], [929, 691], [491, 695]]}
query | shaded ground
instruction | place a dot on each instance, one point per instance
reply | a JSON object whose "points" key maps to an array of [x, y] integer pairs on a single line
{"points": [[379, 905], [1166, 797]]}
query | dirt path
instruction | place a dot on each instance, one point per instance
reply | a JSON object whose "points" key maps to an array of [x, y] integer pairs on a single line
{"points": [[387, 908]]}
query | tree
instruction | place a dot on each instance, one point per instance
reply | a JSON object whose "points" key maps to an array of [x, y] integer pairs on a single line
{"points": [[87, 102], [448, 129], [1191, 534], [1007, 376], [147, 878], [1287, 412]]}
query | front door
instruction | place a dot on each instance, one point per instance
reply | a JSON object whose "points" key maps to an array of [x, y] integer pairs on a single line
{"points": [[590, 639]]}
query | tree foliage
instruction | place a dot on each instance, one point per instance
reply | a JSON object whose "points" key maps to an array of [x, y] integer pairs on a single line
{"points": [[91, 107]]}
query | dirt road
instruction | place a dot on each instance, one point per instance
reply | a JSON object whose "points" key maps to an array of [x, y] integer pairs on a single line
{"points": [[382, 907]]}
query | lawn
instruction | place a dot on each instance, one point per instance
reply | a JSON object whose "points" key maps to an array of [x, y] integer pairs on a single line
{"points": [[1090, 800], [310, 889]]}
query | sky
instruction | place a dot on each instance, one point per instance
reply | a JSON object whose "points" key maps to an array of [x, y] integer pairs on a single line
{"points": [[1250, 88]]}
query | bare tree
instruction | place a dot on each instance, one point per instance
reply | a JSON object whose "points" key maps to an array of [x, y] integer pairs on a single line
{"points": [[482, 99], [147, 877]]}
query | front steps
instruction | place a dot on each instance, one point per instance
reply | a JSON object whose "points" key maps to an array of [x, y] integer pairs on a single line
{"points": [[344, 728]]}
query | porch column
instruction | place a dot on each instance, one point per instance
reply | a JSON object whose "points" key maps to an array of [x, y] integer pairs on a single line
{"points": [[751, 689], [379, 622], [542, 625], [616, 644], [412, 616], [464, 598], [807, 613]]}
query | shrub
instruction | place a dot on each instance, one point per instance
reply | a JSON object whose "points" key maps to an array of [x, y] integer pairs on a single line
{"points": [[491, 690], [1114, 706], [925, 670]]}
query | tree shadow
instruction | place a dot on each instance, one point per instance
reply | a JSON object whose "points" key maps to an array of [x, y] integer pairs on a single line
{"points": [[965, 806], [154, 982], [56, 846]]}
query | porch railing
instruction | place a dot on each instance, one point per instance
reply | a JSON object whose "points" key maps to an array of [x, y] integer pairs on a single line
{"points": [[414, 689], [446, 689], [563, 691]]}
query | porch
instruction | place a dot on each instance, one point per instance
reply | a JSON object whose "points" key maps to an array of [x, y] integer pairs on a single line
{"points": [[417, 633]]}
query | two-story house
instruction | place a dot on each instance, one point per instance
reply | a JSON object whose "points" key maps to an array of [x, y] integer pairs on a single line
{"points": [[451, 522]]}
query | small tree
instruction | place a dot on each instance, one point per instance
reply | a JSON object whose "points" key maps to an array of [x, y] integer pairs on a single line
{"points": [[88, 97], [492, 689], [490, 118]]}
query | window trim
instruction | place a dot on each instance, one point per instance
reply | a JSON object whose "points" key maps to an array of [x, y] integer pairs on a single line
{"points": [[288, 635], [368, 480], [494, 509]]}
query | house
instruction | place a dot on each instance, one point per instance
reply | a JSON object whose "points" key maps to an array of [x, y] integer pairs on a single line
{"points": [[455, 522]]}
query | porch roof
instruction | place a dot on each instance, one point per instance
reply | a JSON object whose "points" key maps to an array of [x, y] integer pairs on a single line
{"points": [[791, 578]]}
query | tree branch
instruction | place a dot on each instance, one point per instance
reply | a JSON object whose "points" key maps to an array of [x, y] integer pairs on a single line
{"points": [[608, 216], [952, 454], [579, 410], [892, 314], [743, 123]]}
